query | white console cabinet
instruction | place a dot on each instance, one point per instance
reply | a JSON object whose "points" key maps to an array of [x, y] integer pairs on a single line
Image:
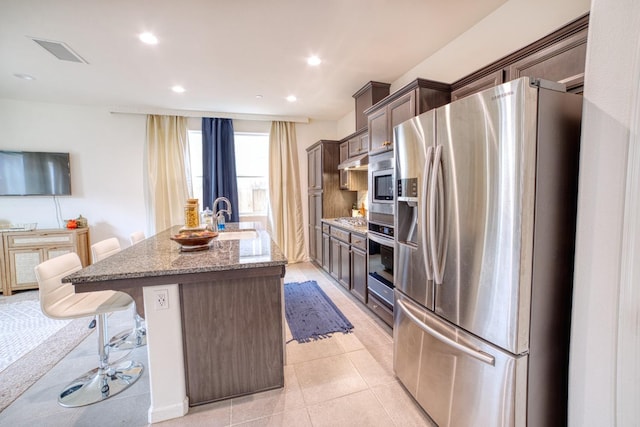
{"points": [[23, 250]]}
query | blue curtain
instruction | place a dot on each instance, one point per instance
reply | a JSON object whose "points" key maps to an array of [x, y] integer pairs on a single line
{"points": [[219, 164]]}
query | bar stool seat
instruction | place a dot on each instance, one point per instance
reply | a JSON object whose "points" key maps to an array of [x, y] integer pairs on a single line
{"points": [[59, 301]]}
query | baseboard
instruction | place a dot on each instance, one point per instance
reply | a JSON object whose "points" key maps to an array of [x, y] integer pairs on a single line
{"points": [[157, 415]]}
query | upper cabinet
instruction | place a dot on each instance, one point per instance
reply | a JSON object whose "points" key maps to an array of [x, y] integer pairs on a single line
{"points": [[367, 96], [486, 82], [358, 145], [415, 98], [561, 62], [558, 57]]}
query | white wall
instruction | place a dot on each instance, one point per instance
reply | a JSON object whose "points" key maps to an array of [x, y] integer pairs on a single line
{"points": [[106, 155], [612, 79], [106, 165]]}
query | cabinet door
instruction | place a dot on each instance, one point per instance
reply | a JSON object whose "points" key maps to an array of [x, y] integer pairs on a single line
{"points": [[312, 243], [400, 110], [345, 266], [561, 62], [21, 267], [358, 145], [315, 226], [344, 175], [479, 85], [364, 143], [378, 134], [334, 252], [318, 242], [359, 274], [314, 165], [311, 169], [326, 251]]}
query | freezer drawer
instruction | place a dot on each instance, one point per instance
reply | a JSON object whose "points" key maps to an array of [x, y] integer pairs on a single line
{"points": [[458, 379]]}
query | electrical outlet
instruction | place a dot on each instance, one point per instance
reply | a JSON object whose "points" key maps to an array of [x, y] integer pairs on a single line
{"points": [[161, 299]]}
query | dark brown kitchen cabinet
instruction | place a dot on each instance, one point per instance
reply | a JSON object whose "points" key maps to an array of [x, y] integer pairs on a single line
{"points": [[358, 145], [561, 62], [359, 267], [479, 85], [344, 272], [325, 198], [344, 175], [368, 95], [314, 161], [315, 232], [413, 99], [559, 56], [326, 253]]}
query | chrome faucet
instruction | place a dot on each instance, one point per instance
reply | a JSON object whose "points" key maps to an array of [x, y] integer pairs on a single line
{"points": [[222, 211]]}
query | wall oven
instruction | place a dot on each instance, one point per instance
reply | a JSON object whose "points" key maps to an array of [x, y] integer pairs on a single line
{"points": [[380, 262]]}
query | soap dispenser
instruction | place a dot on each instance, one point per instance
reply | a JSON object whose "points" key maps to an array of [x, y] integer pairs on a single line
{"points": [[220, 220]]}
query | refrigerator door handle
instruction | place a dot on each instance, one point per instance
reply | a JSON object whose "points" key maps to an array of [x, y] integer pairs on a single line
{"points": [[424, 219], [476, 354], [437, 190]]}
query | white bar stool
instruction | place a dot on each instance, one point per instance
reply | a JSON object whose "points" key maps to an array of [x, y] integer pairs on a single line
{"points": [[59, 301]]}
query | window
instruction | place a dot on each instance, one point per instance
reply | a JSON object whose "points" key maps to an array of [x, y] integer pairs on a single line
{"points": [[252, 171]]}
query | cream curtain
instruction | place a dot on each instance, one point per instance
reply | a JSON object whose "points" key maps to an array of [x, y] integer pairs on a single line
{"points": [[168, 170], [285, 205]]}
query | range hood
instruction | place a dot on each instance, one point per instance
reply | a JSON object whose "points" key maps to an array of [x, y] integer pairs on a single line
{"points": [[357, 163]]}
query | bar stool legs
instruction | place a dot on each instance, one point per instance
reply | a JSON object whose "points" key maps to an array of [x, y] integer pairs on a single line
{"points": [[104, 381], [128, 340]]}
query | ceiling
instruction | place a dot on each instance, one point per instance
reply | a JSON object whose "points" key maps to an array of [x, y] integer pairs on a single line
{"points": [[223, 52]]}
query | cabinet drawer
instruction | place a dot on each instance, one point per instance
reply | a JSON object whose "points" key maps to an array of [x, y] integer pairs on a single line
{"points": [[326, 228], [359, 241], [340, 234], [40, 240]]}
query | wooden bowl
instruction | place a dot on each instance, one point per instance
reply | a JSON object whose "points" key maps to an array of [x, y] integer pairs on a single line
{"points": [[194, 238]]}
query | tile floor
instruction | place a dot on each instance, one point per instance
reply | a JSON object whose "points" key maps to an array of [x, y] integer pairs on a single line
{"points": [[346, 380]]}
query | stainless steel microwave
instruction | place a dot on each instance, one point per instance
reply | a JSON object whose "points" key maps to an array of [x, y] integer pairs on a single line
{"points": [[381, 185]]}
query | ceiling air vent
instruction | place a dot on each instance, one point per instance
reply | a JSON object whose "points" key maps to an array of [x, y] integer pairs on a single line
{"points": [[60, 50]]}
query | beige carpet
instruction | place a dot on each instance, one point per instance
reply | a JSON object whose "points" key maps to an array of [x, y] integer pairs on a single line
{"points": [[25, 371]]}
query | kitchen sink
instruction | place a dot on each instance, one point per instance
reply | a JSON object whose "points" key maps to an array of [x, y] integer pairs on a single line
{"points": [[238, 234]]}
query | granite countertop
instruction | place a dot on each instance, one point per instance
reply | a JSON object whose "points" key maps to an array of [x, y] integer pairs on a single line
{"points": [[160, 256], [344, 223]]}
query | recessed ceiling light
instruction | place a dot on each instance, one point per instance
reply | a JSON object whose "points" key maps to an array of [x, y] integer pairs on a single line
{"points": [[24, 76], [148, 38], [292, 98], [177, 89], [313, 60], [258, 96]]}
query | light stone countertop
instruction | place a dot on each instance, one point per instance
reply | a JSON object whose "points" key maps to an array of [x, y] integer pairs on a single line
{"points": [[159, 256], [362, 230]]}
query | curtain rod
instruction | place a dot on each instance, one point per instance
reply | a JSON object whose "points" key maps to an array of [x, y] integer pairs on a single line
{"points": [[191, 113]]}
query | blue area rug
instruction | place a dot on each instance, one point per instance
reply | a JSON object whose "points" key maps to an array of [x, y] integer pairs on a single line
{"points": [[310, 313]]}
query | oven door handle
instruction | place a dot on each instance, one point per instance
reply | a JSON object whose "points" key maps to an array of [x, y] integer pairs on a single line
{"points": [[380, 240]]}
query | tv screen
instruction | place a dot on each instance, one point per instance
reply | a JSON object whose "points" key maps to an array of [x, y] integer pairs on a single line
{"points": [[26, 173]]}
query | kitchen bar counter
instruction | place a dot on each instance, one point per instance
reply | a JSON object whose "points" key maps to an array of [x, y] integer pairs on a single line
{"points": [[159, 256], [219, 332]]}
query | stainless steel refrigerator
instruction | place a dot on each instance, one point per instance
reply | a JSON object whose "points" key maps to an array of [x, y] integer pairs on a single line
{"points": [[485, 227]]}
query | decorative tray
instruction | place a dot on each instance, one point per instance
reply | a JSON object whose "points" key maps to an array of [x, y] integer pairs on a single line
{"points": [[191, 241]]}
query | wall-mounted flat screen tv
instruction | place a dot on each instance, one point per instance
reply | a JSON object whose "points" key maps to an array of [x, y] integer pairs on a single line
{"points": [[28, 173]]}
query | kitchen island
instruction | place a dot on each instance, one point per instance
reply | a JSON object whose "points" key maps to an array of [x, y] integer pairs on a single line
{"points": [[215, 325]]}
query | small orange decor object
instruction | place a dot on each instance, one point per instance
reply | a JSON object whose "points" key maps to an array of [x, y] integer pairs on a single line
{"points": [[72, 223]]}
